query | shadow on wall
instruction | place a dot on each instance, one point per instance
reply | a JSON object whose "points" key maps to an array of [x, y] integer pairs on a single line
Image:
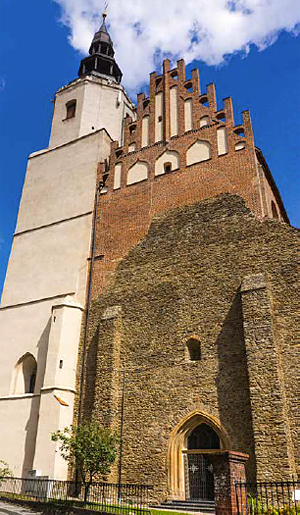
{"points": [[32, 422], [88, 401], [233, 385]]}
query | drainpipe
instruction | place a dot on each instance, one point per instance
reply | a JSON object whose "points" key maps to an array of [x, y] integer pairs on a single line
{"points": [[122, 127], [121, 436], [99, 187]]}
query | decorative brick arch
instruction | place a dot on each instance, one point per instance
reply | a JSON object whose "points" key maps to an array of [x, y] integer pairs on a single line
{"points": [[138, 172], [178, 443], [200, 150]]}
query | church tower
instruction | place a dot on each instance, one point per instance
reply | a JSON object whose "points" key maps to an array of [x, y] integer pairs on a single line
{"points": [[45, 288]]}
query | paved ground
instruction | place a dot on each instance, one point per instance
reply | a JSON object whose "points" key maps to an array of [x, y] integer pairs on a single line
{"points": [[11, 509]]}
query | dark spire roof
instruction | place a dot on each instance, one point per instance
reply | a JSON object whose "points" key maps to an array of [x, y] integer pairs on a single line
{"points": [[102, 34], [101, 60]]}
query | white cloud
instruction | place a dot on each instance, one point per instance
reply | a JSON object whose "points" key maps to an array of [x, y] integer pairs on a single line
{"points": [[144, 32]]}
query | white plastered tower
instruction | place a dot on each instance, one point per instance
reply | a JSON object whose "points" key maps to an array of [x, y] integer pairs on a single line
{"points": [[45, 288]]}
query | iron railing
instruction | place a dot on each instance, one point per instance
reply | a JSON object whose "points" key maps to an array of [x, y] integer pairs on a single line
{"points": [[268, 498], [109, 498]]}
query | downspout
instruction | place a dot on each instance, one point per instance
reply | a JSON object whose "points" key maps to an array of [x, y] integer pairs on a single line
{"points": [[122, 127], [99, 187]]}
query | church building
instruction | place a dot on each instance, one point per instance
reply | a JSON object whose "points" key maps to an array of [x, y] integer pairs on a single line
{"points": [[151, 287]]}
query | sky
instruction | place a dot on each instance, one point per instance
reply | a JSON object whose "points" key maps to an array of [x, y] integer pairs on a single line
{"points": [[249, 48]]}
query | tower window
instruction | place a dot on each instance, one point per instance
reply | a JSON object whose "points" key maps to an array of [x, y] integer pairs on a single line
{"points": [[71, 109], [32, 380], [25, 375], [194, 350]]}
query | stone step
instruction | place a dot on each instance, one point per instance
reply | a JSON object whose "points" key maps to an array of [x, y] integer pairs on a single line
{"points": [[201, 506]]}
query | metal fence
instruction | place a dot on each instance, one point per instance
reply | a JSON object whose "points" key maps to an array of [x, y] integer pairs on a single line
{"points": [[268, 498], [106, 497]]}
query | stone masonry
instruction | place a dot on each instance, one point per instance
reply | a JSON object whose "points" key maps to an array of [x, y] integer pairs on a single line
{"points": [[211, 271]]}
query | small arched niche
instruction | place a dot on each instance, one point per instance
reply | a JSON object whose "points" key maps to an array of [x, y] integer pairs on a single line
{"points": [[25, 375], [138, 172], [275, 213], [204, 120], [167, 162], [198, 152], [193, 349], [240, 145]]}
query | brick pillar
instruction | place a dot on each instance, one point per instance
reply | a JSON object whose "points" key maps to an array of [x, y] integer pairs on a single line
{"points": [[271, 431], [212, 96], [229, 468]]}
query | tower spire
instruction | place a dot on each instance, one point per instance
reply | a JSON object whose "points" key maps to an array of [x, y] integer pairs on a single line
{"points": [[101, 61]]}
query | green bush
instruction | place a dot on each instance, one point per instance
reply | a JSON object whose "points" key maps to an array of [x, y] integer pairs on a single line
{"points": [[256, 506], [4, 471]]}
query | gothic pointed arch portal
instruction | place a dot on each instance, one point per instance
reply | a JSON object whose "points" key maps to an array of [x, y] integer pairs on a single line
{"points": [[195, 428]]}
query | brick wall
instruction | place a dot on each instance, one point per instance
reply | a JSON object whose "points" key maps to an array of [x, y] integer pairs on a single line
{"points": [[125, 213]]}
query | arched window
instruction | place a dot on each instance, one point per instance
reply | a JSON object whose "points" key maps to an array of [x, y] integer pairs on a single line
{"points": [[203, 437], [25, 375], [194, 349], [167, 162], [274, 211]]}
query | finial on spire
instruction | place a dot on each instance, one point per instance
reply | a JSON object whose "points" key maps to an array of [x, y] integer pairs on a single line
{"points": [[104, 14]]}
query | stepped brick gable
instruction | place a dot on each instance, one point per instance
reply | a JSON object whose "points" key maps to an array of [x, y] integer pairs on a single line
{"points": [[180, 149]]}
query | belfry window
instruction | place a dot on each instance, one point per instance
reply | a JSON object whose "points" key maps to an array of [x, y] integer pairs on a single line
{"points": [[71, 109], [194, 350]]}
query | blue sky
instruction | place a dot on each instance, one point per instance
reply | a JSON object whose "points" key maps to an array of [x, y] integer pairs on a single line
{"points": [[36, 58]]}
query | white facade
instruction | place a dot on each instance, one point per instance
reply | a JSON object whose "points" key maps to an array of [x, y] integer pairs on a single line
{"points": [[45, 287]]}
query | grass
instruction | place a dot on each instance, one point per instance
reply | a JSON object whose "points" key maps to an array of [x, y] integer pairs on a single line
{"points": [[165, 512], [106, 508]]}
